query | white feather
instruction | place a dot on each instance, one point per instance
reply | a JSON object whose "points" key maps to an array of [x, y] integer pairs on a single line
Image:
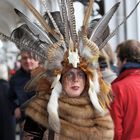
{"points": [[56, 80], [96, 81], [53, 5], [86, 53], [93, 97], [79, 14], [52, 107]]}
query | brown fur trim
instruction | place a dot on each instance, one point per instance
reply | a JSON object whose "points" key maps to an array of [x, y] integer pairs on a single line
{"points": [[43, 85], [79, 133], [37, 110], [83, 100], [85, 111], [79, 121], [37, 71]]}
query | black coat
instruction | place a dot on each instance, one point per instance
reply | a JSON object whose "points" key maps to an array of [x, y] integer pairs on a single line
{"points": [[17, 94], [7, 122]]}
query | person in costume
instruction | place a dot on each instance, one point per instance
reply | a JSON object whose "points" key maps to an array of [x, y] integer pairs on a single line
{"points": [[72, 99]]}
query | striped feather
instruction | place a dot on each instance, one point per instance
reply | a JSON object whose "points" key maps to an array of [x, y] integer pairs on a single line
{"points": [[117, 28], [38, 54], [34, 27], [88, 13], [72, 21], [102, 24], [50, 16], [40, 18], [65, 20]]}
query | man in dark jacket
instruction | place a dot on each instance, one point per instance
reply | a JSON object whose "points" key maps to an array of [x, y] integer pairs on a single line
{"points": [[18, 95]]}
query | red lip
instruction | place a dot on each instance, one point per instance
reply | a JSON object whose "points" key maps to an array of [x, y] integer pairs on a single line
{"points": [[75, 87]]}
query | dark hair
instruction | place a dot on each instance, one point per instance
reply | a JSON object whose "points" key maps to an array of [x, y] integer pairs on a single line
{"points": [[129, 50], [102, 62]]}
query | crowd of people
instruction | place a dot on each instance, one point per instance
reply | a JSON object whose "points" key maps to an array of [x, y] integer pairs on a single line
{"points": [[74, 94]]}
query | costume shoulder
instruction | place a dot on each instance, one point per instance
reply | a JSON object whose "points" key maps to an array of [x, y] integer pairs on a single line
{"points": [[39, 81], [36, 107]]}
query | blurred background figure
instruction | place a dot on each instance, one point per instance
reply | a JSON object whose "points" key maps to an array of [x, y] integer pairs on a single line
{"points": [[112, 57], [7, 127], [104, 63], [126, 89], [18, 95]]}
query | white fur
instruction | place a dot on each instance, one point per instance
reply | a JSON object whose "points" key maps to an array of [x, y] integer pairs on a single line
{"points": [[96, 81], [52, 107], [94, 89], [56, 80], [93, 97], [87, 53]]}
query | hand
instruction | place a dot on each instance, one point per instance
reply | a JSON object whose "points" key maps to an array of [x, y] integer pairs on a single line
{"points": [[17, 113], [27, 136]]}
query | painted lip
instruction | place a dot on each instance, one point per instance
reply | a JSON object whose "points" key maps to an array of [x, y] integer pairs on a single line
{"points": [[75, 87]]}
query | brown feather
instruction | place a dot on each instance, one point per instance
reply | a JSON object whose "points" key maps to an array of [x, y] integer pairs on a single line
{"points": [[88, 13], [38, 16]]}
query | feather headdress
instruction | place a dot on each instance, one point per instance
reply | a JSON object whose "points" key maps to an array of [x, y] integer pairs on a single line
{"points": [[58, 49]]}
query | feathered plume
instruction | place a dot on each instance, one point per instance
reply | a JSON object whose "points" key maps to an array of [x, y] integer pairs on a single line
{"points": [[52, 107], [66, 24], [117, 28], [50, 16], [88, 14], [34, 27], [102, 24], [72, 22], [41, 19]]}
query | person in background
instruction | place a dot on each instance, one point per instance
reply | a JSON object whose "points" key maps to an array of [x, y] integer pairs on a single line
{"points": [[104, 63], [7, 121], [17, 94], [111, 57], [125, 109]]}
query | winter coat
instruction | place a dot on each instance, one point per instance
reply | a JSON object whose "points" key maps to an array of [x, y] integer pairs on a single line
{"points": [[7, 122], [126, 105], [17, 94]]}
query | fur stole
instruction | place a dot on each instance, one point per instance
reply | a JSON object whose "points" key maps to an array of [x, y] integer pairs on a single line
{"points": [[78, 118]]}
